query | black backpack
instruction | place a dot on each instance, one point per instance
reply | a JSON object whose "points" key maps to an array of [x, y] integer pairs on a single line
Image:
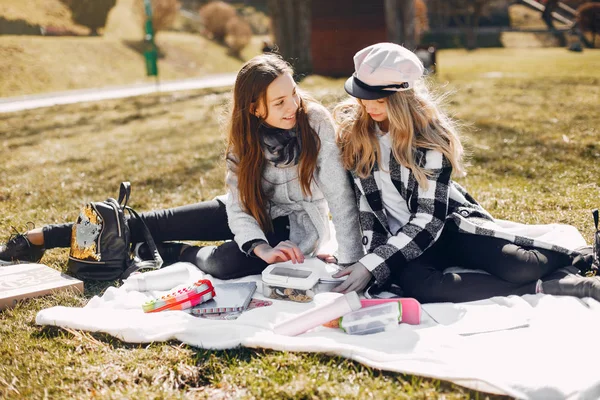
{"points": [[101, 241]]}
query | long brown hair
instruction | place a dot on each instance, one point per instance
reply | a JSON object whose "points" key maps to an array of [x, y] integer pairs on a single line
{"points": [[243, 142], [415, 120]]}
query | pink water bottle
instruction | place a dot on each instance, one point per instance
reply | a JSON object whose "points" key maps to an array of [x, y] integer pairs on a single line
{"points": [[319, 315]]}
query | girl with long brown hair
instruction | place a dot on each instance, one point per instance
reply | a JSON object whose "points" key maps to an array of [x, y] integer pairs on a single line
{"points": [[283, 162], [284, 175], [402, 151]]}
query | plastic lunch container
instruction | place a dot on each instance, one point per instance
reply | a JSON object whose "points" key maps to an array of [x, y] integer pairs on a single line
{"points": [[284, 283], [372, 319]]}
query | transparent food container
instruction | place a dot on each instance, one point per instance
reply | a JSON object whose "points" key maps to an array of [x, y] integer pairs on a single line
{"points": [[372, 319], [294, 283], [327, 286]]}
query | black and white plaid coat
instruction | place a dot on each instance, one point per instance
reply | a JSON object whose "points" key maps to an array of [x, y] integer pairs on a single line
{"points": [[444, 199]]}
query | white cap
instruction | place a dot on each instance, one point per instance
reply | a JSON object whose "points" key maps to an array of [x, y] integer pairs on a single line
{"points": [[382, 70]]}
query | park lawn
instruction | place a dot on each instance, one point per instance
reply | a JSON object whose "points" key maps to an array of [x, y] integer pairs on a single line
{"points": [[46, 13], [41, 64], [532, 125]]}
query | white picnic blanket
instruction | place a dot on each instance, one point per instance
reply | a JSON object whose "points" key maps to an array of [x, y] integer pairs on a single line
{"points": [[531, 347]]}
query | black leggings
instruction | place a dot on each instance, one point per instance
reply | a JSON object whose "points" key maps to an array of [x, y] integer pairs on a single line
{"points": [[205, 221], [513, 269]]}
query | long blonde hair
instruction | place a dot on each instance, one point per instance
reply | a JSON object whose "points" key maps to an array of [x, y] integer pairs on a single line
{"points": [[415, 121], [243, 141]]}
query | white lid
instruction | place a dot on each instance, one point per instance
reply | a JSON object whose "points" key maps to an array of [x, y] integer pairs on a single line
{"points": [[290, 276], [353, 301]]}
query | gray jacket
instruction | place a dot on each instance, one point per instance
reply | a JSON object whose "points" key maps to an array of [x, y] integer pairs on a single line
{"points": [[309, 215]]}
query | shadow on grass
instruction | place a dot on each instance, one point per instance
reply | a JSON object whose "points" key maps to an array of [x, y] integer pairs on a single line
{"points": [[517, 153], [168, 181], [96, 288], [33, 131], [51, 332], [186, 174], [74, 160], [140, 46]]}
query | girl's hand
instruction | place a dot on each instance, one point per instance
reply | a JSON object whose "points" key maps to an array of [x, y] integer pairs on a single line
{"points": [[284, 251], [358, 278], [328, 258]]}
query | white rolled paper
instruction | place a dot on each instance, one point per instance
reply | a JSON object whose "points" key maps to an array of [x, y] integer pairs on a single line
{"points": [[319, 315]]}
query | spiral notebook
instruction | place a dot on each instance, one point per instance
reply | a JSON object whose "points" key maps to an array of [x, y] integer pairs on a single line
{"points": [[229, 297]]}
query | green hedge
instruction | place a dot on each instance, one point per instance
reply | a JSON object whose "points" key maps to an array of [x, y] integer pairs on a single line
{"points": [[457, 40]]}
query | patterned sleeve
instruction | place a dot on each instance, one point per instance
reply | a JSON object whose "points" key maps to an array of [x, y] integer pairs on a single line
{"points": [[333, 181], [429, 209], [244, 226]]}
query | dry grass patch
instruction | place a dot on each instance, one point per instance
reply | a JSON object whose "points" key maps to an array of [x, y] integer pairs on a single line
{"points": [[36, 64], [41, 12]]}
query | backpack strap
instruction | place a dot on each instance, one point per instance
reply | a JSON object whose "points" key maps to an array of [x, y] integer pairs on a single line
{"points": [[157, 262], [124, 192], [596, 246]]}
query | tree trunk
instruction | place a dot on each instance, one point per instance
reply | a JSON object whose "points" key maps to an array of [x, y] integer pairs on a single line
{"points": [[468, 23], [291, 30], [470, 38], [400, 20], [474, 26], [409, 16]]}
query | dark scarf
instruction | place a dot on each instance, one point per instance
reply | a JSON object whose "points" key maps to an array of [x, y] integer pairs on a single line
{"points": [[280, 146]]}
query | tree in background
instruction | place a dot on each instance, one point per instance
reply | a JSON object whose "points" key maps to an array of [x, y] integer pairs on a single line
{"points": [[588, 20], [406, 21], [465, 14], [238, 35], [224, 25], [401, 22], [164, 13], [422, 21], [90, 13], [215, 16], [258, 20], [291, 29]]}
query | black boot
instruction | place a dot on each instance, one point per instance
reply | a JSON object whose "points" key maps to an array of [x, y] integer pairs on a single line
{"points": [[585, 261], [169, 251], [588, 258], [573, 285], [19, 248]]}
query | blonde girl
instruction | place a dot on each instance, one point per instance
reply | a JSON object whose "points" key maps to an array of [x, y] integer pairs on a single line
{"points": [[402, 150]]}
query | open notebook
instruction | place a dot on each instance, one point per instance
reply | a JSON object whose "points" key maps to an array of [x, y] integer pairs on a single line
{"points": [[229, 297]]}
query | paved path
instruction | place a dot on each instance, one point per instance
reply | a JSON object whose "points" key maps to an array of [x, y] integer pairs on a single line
{"points": [[10, 104]]}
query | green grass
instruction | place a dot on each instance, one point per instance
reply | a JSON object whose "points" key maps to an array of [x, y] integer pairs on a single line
{"points": [[532, 131], [535, 140]]}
